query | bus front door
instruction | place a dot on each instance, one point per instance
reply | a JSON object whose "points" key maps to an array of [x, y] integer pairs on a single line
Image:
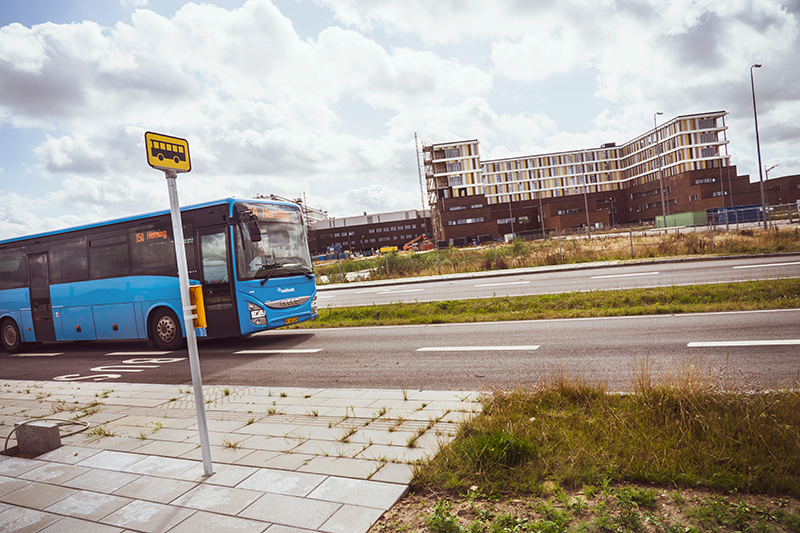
{"points": [[41, 308], [215, 273]]}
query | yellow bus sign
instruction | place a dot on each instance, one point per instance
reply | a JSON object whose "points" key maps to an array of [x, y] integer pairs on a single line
{"points": [[167, 153]]}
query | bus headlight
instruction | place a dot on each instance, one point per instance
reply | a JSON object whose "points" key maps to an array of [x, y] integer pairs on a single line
{"points": [[258, 316], [314, 305]]}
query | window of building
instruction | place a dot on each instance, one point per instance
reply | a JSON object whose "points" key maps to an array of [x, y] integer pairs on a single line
{"points": [[570, 211], [476, 206], [694, 198], [719, 193], [705, 180]]}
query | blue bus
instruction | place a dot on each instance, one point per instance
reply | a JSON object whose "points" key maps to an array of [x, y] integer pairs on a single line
{"points": [[119, 279]]}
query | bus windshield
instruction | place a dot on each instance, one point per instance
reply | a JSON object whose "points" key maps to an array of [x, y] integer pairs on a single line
{"points": [[282, 249]]}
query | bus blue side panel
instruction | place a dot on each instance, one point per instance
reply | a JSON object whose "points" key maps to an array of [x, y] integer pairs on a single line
{"points": [[91, 309], [77, 323], [115, 321], [16, 304]]}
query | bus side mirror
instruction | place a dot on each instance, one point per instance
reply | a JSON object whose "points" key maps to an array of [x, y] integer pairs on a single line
{"points": [[253, 229]]}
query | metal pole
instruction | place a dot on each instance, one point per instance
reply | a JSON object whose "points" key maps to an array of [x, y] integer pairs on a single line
{"points": [[585, 196], [758, 145], [630, 230], [188, 319], [660, 174]]}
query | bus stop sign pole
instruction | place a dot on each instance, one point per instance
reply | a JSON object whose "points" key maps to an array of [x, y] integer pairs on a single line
{"points": [[171, 155], [188, 320]]}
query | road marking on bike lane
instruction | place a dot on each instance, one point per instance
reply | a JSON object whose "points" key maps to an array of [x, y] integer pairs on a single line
{"points": [[106, 372]]}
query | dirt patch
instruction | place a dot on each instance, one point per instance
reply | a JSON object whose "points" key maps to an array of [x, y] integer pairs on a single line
{"points": [[641, 508]]}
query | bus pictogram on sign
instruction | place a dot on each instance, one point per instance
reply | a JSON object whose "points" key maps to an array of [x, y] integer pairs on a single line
{"points": [[167, 153]]}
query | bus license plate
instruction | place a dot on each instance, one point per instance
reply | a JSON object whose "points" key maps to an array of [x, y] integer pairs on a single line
{"points": [[288, 321]]}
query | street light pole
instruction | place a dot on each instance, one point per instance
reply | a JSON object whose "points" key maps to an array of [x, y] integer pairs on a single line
{"points": [[585, 198], [758, 145], [658, 162], [766, 179]]}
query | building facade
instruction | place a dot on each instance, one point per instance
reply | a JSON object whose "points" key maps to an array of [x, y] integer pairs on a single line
{"points": [[679, 166], [368, 233]]}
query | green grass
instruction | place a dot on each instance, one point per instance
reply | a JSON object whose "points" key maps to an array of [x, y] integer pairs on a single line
{"points": [[691, 428], [613, 246], [691, 451], [751, 295]]}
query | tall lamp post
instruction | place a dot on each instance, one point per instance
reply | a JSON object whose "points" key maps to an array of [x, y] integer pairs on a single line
{"points": [[658, 162], [766, 179], [758, 145]]}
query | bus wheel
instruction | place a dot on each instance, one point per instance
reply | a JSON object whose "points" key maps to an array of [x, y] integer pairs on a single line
{"points": [[12, 340], [166, 330]]}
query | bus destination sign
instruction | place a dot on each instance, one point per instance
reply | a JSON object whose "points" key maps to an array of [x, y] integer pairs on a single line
{"points": [[167, 153]]}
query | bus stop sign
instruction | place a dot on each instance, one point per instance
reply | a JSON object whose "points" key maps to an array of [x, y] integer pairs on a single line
{"points": [[167, 153]]}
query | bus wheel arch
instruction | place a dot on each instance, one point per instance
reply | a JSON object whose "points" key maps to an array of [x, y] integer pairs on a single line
{"points": [[165, 329], [11, 335]]}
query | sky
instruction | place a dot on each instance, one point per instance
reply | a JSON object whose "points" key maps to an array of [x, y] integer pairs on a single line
{"points": [[321, 99]]}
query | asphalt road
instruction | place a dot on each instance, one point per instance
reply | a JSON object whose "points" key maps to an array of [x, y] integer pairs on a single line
{"points": [[749, 346], [568, 278]]}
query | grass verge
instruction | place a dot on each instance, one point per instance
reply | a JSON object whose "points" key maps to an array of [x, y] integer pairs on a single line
{"points": [[697, 449], [751, 295]]}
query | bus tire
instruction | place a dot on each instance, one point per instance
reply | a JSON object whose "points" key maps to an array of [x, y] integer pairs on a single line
{"points": [[166, 330], [12, 340]]}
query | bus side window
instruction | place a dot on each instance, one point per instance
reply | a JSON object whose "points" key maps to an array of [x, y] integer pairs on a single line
{"points": [[108, 257], [152, 250], [13, 274], [68, 261]]}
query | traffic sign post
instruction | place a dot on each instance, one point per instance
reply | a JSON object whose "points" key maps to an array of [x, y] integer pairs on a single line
{"points": [[171, 155]]}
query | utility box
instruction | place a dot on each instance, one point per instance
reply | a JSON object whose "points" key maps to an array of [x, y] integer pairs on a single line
{"points": [[37, 437]]}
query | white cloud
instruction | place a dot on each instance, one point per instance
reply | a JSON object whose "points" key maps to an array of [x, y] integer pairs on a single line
{"points": [[266, 111]]}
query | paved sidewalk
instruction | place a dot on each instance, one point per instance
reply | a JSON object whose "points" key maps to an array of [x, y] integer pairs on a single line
{"points": [[286, 460]]}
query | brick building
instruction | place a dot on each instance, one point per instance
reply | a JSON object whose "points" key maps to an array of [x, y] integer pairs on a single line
{"points": [[368, 232], [473, 200]]}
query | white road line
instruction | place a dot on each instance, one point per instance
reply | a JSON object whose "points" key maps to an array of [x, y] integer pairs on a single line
{"points": [[136, 354], [325, 295], [501, 284], [476, 348], [776, 342], [397, 292], [625, 275], [257, 352], [768, 265], [36, 354]]}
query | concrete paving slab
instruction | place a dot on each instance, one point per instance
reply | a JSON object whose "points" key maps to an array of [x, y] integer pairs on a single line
{"points": [[37, 495], [21, 520], [54, 473], [359, 492], [148, 517], [88, 505], [282, 482], [395, 473], [155, 490], [110, 460], [10, 484], [74, 525], [159, 466], [218, 499], [258, 458], [106, 481], [351, 519], [13, 466], [219, 454], [68, 454], [341, 466], [291, 511], [203, 522], [291, 461], [226, 475], [165, 448]]}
